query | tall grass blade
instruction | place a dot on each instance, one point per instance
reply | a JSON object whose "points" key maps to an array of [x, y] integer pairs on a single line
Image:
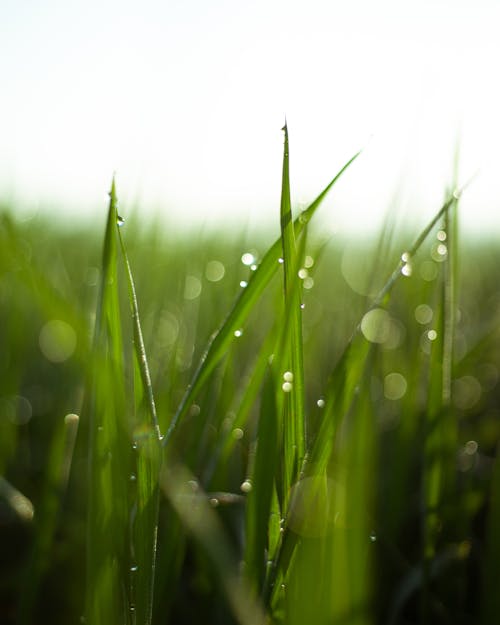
{"points": [[291, 357], [109, 451], [149, 457], [223, 338]]}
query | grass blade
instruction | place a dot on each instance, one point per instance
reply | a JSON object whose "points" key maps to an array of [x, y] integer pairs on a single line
{"points": [[108, 513], [223, 338], [149, 457]]}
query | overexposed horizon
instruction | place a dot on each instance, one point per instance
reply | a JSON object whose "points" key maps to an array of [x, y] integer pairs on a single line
{"points": [[185, 100]]}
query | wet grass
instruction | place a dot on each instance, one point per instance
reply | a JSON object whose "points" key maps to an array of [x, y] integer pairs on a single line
{"points": [[227, 431]]}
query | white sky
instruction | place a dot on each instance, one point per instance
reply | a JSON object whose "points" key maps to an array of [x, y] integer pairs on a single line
{"points": [[185, 100]]}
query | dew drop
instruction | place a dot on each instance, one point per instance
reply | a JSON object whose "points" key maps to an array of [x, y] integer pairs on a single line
{"points": [[373, 537], [303, 273], [406, 270], [253, 267], [288, 376], [214, 502], [243, 284], [281, 260], [238, 333], [441, 235], [302, 306], [320, 403], [406, 257], [133, 568], [432, 335], [238, 434], [248, 259], [119, 221], [287, 387], [133, 477], [246, 486]]}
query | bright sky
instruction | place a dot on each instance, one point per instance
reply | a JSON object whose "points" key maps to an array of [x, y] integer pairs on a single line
{"points": [[185, 100]]}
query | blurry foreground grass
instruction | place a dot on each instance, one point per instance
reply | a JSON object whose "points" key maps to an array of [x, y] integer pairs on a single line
{"points": [[221, 431]]}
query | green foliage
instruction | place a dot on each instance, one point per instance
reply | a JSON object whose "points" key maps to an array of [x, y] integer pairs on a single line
{"points": [[330, 444]]}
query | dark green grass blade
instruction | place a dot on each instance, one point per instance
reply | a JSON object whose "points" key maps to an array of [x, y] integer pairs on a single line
{"points": [[57, 474], [259, 500], [148, 450], [223, 338], [490, 597], [109, 452], [202, 522]]}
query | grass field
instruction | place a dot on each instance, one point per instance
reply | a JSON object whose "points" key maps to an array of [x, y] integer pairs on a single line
{"points": [[223, 430]]}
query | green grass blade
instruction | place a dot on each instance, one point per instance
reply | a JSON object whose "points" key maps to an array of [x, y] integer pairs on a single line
{"points": [[109, 455], [291, 357], [259, 499], [149, 456], [223, 338]]}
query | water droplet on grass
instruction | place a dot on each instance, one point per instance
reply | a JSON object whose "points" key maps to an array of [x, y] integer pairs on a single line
{"points": [[288, 376], [281, 260], [287, 387], [406, 270], [441, 235], [238, 333], [238, 434], [248, 259], [243, 284], [246, 486], [320, 403], [119, 221], [214, 502], [303, 273], [133, 568], [373, 537]]}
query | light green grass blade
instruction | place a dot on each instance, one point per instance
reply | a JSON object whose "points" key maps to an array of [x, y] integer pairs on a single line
{"points": [[291, 358], [223, 338], [109, 452]]}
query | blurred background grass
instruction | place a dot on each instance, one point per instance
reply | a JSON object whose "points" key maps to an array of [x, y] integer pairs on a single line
{"points": [[49, 278]]}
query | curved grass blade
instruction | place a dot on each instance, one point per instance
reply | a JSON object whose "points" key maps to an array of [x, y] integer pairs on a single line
{"points": [[222, 339]]}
